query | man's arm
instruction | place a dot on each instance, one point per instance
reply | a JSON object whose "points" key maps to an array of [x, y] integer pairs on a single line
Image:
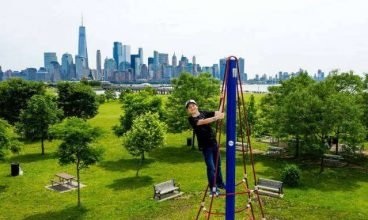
{"points": [[218, 115]]}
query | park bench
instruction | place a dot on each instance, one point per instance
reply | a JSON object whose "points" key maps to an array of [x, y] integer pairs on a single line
{"points": [[56, 182], [269, 187], [238, 146], [273, 150], [166, 190], [332, 160]]}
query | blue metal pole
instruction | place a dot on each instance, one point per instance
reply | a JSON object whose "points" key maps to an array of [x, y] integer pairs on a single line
{"points": [[231, 138]]}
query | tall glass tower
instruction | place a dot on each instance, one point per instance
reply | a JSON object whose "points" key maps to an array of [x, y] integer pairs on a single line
{"points": [[81, 60], [82, 44]]}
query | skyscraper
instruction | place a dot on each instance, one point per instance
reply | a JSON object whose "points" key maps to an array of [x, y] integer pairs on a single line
{"points": [[174, 61], [81, 60], [98, 64], [241, 68], [222, 68], [117, 53], [82, 45], [126, 55], [140, 53], [66, 65], [48, 58]]}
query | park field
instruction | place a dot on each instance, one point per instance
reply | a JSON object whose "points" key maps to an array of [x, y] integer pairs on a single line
{"points": [[114, 192]]}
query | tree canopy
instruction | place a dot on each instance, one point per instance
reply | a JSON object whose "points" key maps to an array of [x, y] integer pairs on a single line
{"points": [[14, 94], [309, 112], [204, 89], [41, 112], [146, 134], [136, 104], [77, 99], [8, 139]]}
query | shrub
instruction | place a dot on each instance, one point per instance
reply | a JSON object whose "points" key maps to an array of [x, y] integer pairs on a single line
{"points": [[291, 175]]}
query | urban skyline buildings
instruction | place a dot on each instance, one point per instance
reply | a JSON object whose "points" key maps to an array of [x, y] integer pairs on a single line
{"points": [[125, 67]]}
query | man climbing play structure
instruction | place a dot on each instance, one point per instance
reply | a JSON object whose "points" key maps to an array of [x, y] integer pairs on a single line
{"points": [[232, 94]]}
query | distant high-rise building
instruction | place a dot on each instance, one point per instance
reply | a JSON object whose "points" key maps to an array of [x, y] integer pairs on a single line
{"points": [[241, 68], [155, 58], [55, 71], [174, 62], [66, 66], [31, 73], [194, 70], [183, 61], [81, 60], [163, 58], [222, 68], [109, 68], [98, 65], [117, 53], [216, 71], [82, 44], [48, 58], [1, 74], [150, 61], [140, 53], [126, 54]]}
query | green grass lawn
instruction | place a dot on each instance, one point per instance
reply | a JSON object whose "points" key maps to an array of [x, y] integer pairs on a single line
{"points": [[113, 192]]}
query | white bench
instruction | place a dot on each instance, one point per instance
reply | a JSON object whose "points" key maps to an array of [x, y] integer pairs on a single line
{"points": [[273, 150], [270, 187], [332, 160], [166, 190], [239, 147]]}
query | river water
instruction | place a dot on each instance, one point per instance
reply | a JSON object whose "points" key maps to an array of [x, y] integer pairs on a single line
{"points": [[253, 88]]}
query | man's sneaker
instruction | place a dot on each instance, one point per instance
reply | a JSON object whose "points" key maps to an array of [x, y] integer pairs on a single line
{"points": [[221, 186], [216, 193]]}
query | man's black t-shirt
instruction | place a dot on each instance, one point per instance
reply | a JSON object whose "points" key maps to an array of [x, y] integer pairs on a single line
{"points": [[205, 136]]}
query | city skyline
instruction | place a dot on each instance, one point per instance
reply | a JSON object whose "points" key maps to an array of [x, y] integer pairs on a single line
{"points": [[310, 35]]}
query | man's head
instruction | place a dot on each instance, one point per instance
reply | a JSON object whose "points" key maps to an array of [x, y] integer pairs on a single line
{"points": [[191, 106]]}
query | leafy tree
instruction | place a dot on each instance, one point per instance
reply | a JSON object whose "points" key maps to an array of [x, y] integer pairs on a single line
{"points": [[146, 134], [135, 104], [14, 94], [35, 120], [110, 94], [8, 139], [310, 111], [77, 99], [252, 113], [76, 148], [204, 89], [123, 93], [292, 110], [365, 105]]}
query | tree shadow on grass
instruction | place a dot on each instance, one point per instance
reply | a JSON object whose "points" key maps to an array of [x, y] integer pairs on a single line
{"points": [[176, 155], [29, 158], [131, 183], [3, 188], [332, 179], [125, 164], [68, 213]]}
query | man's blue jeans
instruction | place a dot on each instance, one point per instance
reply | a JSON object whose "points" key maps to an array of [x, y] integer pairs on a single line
{"points": [[210, 154]]}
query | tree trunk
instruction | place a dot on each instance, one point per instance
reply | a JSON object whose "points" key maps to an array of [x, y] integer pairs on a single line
{"points": [[78, 181], [140, 164], [42, 145], [297, 147], [337, 143]]}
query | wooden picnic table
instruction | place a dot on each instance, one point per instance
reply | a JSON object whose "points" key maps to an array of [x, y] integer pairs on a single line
{"points": [[64, 177]]}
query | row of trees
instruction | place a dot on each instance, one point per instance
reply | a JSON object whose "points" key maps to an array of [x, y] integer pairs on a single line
{"points": [[35, 115], [27, 106], [309, 112]]}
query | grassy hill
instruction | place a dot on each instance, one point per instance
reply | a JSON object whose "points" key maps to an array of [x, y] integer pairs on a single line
{"points": [[113, 192]]}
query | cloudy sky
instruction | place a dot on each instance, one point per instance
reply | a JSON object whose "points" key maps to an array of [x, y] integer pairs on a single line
{"points": [[272, 36]]}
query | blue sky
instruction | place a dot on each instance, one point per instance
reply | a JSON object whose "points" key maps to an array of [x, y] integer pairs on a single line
{"points": [[272, 36]]}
